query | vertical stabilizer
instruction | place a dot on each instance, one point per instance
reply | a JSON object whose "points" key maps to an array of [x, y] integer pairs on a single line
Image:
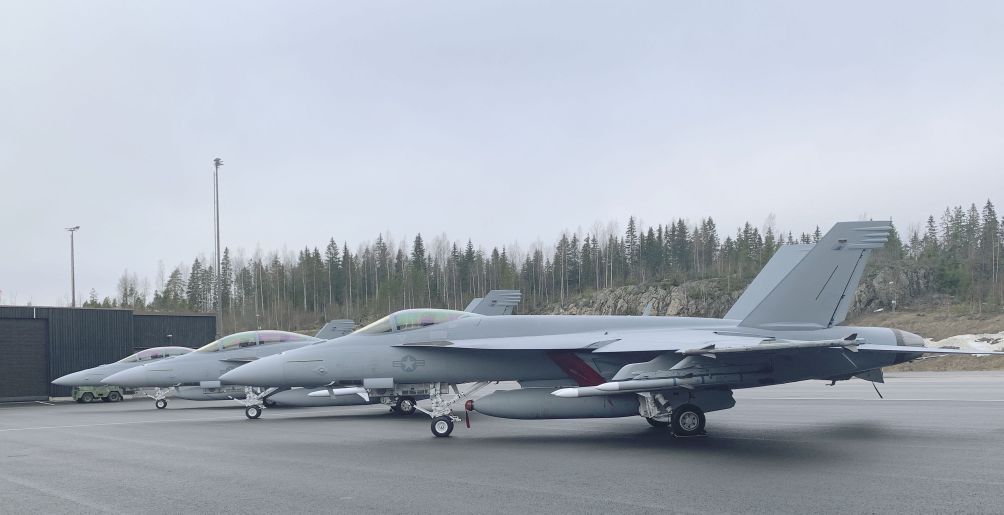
{"points": [[816, 293], [780, 265], [335, 329], [496, 302]]}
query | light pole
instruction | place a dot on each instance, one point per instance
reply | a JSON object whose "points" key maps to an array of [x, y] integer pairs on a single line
{"points": [[217, 163], [73, 278]]}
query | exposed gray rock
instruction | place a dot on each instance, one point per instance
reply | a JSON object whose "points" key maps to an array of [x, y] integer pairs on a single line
{"points": [[714, 297]]}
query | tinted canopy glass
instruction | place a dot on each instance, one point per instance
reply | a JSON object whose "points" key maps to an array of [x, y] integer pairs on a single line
{"points": [[410, 319], [155, 353], [253, 338]]}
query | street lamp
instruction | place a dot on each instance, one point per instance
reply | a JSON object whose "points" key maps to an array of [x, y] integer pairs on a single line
{"points": [[217, 163], [73, 278]]}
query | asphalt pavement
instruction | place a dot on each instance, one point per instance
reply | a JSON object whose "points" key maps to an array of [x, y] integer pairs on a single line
{"points": [[935, 444]]}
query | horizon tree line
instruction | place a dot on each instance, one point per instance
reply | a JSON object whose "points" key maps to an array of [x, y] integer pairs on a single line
{"points": [[301, 290]]}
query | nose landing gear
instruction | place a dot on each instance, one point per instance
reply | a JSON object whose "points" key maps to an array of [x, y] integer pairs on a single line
{"points": [[442, 415], [159, 398]]}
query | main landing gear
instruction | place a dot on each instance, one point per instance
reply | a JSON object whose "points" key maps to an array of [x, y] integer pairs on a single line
{"points": [[442, 415], [405, 406], [687, 420], [682, 420]]}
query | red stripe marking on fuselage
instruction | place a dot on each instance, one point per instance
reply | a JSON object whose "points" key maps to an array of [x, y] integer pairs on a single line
{"points": [[577, 369]]}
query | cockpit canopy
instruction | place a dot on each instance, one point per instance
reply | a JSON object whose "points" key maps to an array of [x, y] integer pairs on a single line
{"points": [[409, 319], [155, 353], [252, 338]]}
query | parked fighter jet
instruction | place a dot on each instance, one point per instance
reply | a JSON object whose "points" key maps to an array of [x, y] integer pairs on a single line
{"points": [[670, 370], [197, 376], [93, 376]]}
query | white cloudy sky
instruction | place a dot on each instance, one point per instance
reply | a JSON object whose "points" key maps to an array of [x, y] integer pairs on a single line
{"points": [[498, 121]]}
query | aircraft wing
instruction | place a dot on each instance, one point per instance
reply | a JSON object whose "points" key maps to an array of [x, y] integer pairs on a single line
{"points": [[923, 350], [686, 341]]}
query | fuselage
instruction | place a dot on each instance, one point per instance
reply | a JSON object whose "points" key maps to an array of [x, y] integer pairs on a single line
{"points": [[361, 355], [204, 366], [94, 376]]}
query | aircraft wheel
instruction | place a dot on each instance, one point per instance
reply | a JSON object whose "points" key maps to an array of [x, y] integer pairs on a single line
{"points": [[656, 423], [161, 403], [114, 396], [405, 406], [688, 420], [442, 426], [252, 412], [87, 397]]}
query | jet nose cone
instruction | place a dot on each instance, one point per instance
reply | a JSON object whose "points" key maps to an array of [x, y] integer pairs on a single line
{"points": [[88, 377], [264, 372], [68, 380], [134, 377]]}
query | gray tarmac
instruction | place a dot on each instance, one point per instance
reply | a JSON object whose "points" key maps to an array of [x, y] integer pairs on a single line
{"points": [[935, 444]]}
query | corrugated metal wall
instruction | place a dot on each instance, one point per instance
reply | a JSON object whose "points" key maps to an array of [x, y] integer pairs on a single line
{"points": [[152, 330], [82, 338], [24, 364]]}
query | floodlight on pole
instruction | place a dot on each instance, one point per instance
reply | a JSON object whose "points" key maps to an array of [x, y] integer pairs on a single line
{"points": [[217, 163], [73, 278]]}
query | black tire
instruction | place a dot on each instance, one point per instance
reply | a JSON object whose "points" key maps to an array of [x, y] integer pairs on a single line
{"points": [[80, 400], [656, 423], [252, 412], [105, 399], [442, 426], [114, 396], [405, 406], [87, 397], [688, 420], [161, 403]]}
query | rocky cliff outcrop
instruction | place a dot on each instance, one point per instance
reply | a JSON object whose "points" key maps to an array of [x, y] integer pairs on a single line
{"points": [[693, 298], [714, 297]]}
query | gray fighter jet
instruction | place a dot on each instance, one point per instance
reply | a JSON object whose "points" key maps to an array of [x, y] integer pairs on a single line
{"points": [[669, 370], [201, 369], [93, 376], [196, 376]]}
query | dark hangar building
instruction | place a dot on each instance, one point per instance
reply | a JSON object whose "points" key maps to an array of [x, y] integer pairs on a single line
{"points": [[39, 344]]}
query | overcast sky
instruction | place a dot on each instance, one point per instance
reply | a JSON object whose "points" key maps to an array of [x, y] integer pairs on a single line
{"points": [[500, 122]]}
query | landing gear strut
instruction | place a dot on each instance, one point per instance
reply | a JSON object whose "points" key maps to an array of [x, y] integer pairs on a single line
{"points": [[654, 422], [442, 409], [159, 397], [255, 401]]}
